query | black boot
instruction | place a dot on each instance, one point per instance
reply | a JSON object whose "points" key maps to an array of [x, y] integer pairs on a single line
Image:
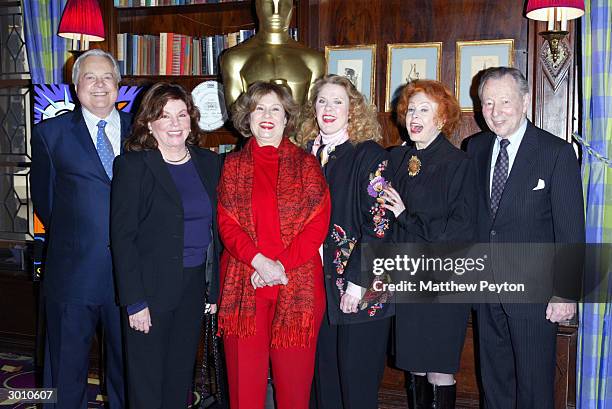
{"points": [[420, 392], [444, 397]]}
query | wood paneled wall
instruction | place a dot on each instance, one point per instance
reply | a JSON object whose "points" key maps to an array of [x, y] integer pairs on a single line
{"points": [[381, 22]]}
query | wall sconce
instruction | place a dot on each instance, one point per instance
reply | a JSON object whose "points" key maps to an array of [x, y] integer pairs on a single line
{"points": [[82, 21], [553, 11]]}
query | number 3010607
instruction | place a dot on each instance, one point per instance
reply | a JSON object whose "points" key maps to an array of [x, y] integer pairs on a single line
{"points": [[30, 395]]}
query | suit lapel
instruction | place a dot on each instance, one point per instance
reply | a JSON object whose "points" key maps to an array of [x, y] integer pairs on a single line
{"points": [[521, 169], [125, 128], [82, 136], [202, 167], [160, 171]]}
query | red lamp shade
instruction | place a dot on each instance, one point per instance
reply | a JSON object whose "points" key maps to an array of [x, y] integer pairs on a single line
{"points": [[82, 20], [540, 9]]}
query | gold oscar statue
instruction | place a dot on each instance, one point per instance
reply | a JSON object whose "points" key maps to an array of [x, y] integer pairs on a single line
{"points": [[272, 56]]}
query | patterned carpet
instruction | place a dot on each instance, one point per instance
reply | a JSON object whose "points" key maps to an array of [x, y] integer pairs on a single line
{"points": [[18, 371]]}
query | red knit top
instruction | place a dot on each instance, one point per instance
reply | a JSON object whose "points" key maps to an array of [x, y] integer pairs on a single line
{"points": [[267, 226]]}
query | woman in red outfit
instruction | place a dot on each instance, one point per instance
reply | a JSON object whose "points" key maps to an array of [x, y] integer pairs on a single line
{"points": [[273, 216]]}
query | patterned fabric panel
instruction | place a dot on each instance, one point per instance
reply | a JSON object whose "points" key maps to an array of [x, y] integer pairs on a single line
{"points": [[594, 366]]}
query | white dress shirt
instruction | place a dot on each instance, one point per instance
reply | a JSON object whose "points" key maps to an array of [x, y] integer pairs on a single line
{"points": [[112, 129], [515, 141]]}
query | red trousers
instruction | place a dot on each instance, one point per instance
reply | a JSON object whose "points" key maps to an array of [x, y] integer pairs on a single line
{"points": [[248, 360]]}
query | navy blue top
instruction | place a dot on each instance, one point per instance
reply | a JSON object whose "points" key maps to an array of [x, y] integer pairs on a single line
{"points": [[197, 212]]}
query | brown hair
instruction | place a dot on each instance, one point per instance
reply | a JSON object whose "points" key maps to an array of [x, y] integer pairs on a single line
{"points": [[151, 109], [449, 112], [247, 102], [362, 119]]}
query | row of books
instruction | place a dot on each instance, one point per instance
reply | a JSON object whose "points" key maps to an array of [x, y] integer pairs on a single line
{"points": [[223, 148], [176, 54], [147, 3]]}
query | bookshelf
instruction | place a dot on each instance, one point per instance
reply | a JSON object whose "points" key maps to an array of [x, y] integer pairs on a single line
{"points": [[196, 20]]}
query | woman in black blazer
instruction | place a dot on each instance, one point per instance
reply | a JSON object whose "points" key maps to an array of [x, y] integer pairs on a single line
{"points": [[165, 245], [432, 199]]}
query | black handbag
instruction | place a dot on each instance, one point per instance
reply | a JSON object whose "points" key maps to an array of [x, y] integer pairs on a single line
{"points": [[213, 381]]}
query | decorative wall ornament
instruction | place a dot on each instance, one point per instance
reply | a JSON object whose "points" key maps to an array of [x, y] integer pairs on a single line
{"points": [[555, 67], [555, 54]]}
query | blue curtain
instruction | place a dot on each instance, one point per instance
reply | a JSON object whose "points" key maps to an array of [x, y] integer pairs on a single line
{"points": [[594, 367], [47, 52]]}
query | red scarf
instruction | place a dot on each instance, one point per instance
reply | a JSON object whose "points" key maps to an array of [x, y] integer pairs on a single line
{"points": [[301, 188]]}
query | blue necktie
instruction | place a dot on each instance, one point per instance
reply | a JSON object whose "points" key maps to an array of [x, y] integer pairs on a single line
{"points": [[105, 149], [500, 174]]}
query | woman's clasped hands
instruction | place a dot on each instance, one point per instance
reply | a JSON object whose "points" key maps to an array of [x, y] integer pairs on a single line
{"points": [[267, 272]]}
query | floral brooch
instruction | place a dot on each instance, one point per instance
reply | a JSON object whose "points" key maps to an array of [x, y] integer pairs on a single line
{"points": [[414, 166]]}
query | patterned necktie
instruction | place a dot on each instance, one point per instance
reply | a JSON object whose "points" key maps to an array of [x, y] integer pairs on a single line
{"points": [[500, 174], [105, 149]]}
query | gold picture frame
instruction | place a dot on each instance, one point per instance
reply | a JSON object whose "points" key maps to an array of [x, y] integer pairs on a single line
{"points": [[473, 56], [409, 61], [357, 63]]}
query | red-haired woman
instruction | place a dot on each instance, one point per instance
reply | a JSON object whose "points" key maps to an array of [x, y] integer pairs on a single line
{"points": [[431, 203]]}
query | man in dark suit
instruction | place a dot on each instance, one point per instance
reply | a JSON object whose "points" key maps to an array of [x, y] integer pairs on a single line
{"points": [[529, 192], [72, 157]]}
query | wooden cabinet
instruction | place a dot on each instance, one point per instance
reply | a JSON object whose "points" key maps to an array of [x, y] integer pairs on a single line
{"points": [[196, 20]]}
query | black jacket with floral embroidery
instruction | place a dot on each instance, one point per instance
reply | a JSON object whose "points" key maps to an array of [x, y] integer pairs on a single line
{"points": [[356, 175]]}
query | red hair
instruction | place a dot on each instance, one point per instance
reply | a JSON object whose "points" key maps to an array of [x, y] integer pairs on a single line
{"points": [[448, 113]]}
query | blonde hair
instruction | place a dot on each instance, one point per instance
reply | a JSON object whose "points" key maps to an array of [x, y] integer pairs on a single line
{"points": [[362, 118]]}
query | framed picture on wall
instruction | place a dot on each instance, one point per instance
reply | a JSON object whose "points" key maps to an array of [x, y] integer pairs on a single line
{"points": [[474, 56], [409, 62], [357, 63]]}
